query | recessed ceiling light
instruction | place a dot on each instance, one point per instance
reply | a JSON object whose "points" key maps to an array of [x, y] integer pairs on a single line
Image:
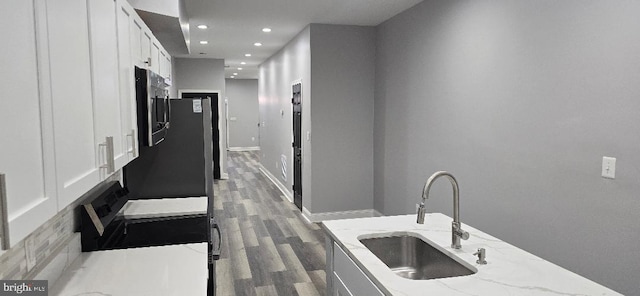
{"points": [[204, 42], [257, 44], [243, 63], [240, 69], [202, 27], [233, 77], [247, 54], [266, 30], [235, 73]]}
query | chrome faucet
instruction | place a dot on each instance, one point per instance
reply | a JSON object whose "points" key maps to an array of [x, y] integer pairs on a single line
{"points": [[456, 231]]}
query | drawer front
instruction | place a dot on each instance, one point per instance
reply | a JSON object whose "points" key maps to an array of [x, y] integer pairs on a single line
{"points": [[350, 274]]}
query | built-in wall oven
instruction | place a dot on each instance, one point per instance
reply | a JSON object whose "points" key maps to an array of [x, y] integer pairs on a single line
{"points": [[153, 108]]}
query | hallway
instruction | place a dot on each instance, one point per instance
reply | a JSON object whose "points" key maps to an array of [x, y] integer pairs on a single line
{"points": [[267, 247]]}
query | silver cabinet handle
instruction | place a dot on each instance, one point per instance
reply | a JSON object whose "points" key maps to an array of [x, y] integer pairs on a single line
{"points": [[215, 253], [4, 216], [134, 147], [110, 165]]}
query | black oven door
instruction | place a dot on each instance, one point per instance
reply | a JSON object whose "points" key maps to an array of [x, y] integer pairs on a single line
{"points": [[152, 101]]}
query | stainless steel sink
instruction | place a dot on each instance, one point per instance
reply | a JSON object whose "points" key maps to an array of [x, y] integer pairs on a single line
{"points": [[413, 258]]}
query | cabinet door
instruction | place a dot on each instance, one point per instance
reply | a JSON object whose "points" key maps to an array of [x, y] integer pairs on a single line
{"points": [[145, 45], [168, 66], [351, 277], [339, 288], [30, 200], [136, 40], [106, 90], [163, 64], [70, 76], [155, 57], [127, 76]]}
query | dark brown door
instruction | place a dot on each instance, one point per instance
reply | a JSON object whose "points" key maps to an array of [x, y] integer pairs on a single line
{"points": [[297, 145]]}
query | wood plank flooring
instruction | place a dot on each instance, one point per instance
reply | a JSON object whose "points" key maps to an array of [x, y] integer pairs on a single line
{"points": [[267, 247]]}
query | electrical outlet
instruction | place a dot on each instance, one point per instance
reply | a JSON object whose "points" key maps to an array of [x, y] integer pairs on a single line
{"points": [[30, 250], [609, 167], [253, 139]]}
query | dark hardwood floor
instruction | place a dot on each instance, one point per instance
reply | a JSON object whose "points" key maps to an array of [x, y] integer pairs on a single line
{"points": [[267, 247]]}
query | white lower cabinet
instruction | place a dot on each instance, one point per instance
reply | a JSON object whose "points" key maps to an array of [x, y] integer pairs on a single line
{"points": [[347, 279]]}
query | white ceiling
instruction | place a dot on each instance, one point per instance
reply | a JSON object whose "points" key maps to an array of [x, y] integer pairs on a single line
{"points": [[235, 25]]}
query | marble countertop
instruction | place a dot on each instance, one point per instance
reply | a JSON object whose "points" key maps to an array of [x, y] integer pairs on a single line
{"points": [[509, 271], [174, 270]]}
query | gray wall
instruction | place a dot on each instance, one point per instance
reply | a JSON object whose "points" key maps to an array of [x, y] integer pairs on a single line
{"points": [[337, 69], [342, 85], [520, 100], [204, 74], [243, 112], [275, 78]]}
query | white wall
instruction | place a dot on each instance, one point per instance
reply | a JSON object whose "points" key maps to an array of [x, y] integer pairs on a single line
{"points": [[275, 78], [243, 113], [342, 77], [520, 100], [204, 75]]}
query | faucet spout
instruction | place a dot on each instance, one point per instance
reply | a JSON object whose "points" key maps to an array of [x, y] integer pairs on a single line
{"points": [[456, 231]]}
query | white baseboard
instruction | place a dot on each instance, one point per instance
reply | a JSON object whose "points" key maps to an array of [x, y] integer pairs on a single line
{"points": [[319, 217], [224, 176], [287, 194], [236, 149]]}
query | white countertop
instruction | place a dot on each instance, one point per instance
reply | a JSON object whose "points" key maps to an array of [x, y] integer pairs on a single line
{"points": [[164, 207], [175, 270], [509, 271]]}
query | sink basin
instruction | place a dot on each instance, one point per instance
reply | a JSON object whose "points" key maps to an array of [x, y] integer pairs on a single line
{"points": [[413, 258]]}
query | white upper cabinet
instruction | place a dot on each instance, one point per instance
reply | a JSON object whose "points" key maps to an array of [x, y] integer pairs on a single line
{"points": [[167, 68], [165, 64], [155, 56], [106, 85], [30, 199], [136, 39], [76, 156], [68, 89], [145, 46], [126, 32]]}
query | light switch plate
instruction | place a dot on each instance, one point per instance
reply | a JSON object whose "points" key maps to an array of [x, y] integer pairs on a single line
{"points": [[609, 167]]}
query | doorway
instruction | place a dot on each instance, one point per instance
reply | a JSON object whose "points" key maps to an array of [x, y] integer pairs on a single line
{"points": [[297, 144], [215, 122]]}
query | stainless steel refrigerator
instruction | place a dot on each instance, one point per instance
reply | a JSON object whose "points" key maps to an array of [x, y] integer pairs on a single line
{"points": [[180, 166]]}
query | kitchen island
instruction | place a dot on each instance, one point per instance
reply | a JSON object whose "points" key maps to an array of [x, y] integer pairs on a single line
{"points": [[173, 270], [352, 269]]}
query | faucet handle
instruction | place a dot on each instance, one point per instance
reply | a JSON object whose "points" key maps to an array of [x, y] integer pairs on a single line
{"points": [[462, 234], [457, 230]]}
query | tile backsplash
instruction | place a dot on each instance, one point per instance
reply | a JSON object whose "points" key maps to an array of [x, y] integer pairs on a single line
{"points": [[44, 244]]}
